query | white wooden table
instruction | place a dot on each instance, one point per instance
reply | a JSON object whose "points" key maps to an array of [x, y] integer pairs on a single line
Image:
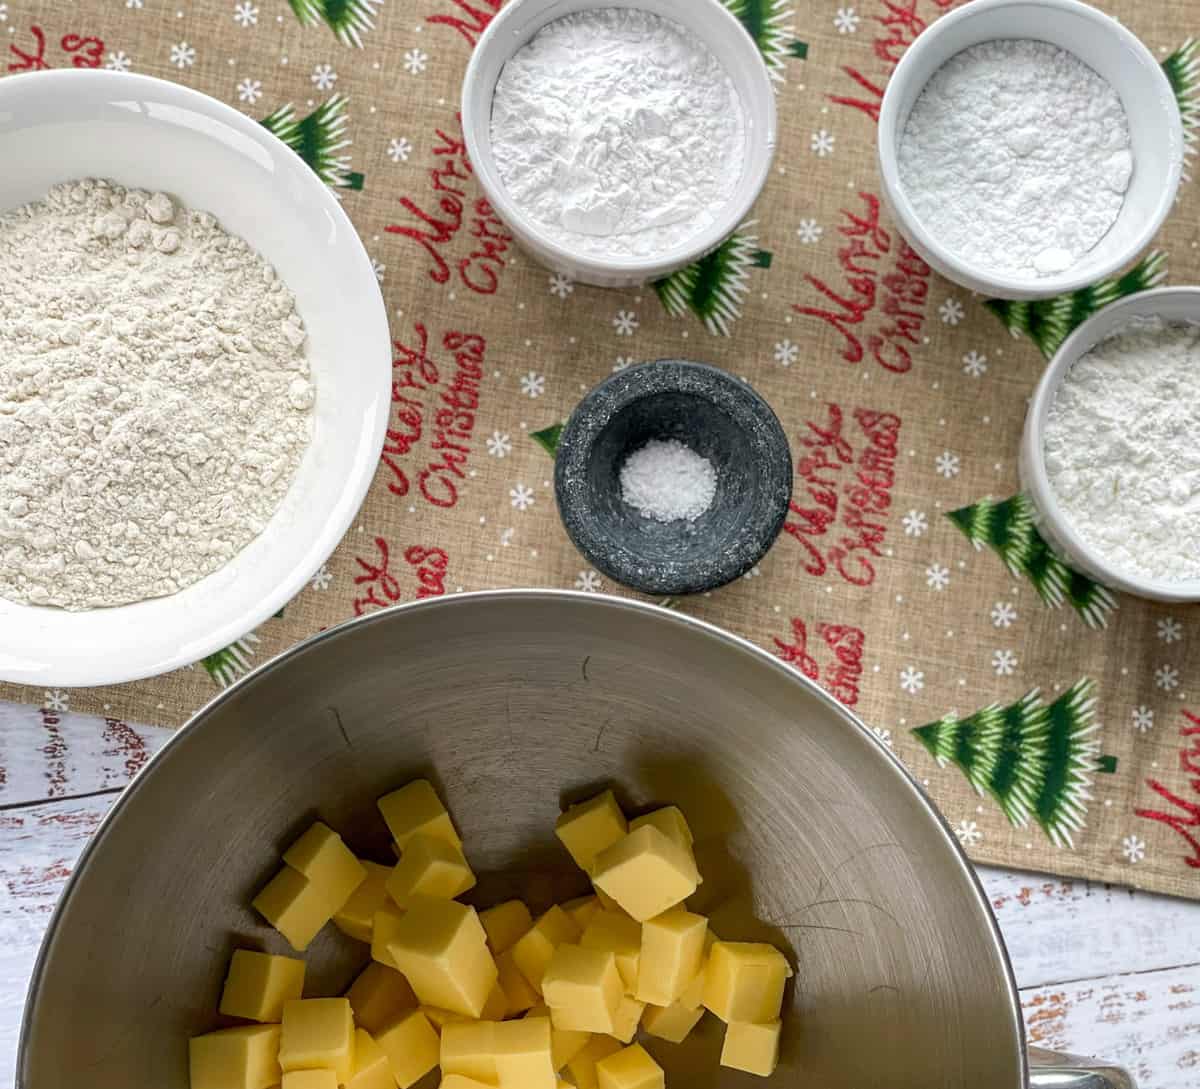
{"points": [[1102, 970]]}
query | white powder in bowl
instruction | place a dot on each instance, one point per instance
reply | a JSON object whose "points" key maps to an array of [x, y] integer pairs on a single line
{"points": [[667, 480]]}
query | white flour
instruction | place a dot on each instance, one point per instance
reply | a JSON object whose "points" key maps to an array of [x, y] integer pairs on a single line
{"points": [[666, 480], [1016, 157], [618, 132], [154, 396], [1121, 449]]}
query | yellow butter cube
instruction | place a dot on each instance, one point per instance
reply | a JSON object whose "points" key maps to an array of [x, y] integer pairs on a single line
{"points": [[672, 952], [414, 809], [440, 1018], [258, 984], [669, 821], [534, 950], [309, 1079], [627, 1018], [358, 913], [744, 981], [693, 994], [565, 1044], [468, 1048], [673, 1022], [505, 924], [318, 1032], [383, 931], [496, 1006], [582, 909], [588, 828], [630, 1068], [458, 1081], [378, 996], [523, 1055], [429, 867], [646, 873], [583, 988], [371, 1067], [517, 989], [606, 902], [411, 1046], [617, 933], [235, 1058], [752, 1048], [294, 906], [441, 948], [582, 1068], [328, 863], [562, 1083]]}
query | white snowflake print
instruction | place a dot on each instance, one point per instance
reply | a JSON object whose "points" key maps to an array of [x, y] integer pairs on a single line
{"points": [[499, 445], [118, 62], [56, 700], [182, 55], [937, 577], [1166, 677], [1170, 630], [1003, 614], [884, 734], [968, 833], [786, 352], [951, 312], [809, 231], [506, 537], [846, 20], [415, 61], [1004, 662], [912, 680], [588, 582], [1143, 719], [399, 149], [249, 90], [561, 285], [822, 143], [947, 464], [533, 385], [245, 14], [522, 497], [1133, 848], [974, 364], [625, 323], [324, 77], [379, 268], [622, 362], [3, 13], [323, 579], [135, 4], [915, 523]]}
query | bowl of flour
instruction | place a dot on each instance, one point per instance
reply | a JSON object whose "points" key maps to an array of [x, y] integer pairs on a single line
{"points": [[1028, 148], [1109, 455], [620, 141], [194, 376]]}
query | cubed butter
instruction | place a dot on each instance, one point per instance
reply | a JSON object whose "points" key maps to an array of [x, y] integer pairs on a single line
{"points": [[440, 1018], [441, 948], [411, 1046], [468, 1048], [517, 989], [258, 984], [414, 809], [646, 873], [328, 863], [506, 924], [583, 988], [744, 981], [672, 952], [318, 1033], [235, 1058], [371, 1067], [378, 996], [582, 1068], [693, 994], [630, 1068], [606, 902], [582, 909], [534, 950], [523, 1055], [673, 1022], [309, 1079], [619, 934], [496, 1006], [588, 828], [752, 1048], [565, 1044], [357, 916], [294, 906], [458, 1081], [669, 821], [627, 1018], [383, 931], [429, 866]]}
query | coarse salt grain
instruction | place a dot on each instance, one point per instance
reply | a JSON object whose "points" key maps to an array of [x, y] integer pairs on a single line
{"points": [[666, 480]]}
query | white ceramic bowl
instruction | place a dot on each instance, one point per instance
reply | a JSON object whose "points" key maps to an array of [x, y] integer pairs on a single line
{"points": [[1155, 131], [1174, 304], [143, 132], [713, 24]]}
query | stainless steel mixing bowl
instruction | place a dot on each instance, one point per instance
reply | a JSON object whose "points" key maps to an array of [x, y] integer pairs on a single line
{"points": [[809, 834]]}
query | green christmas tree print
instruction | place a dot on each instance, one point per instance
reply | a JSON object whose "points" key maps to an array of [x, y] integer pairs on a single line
{"points": [[1034, 759], [228, 664], [715, 287], [1183, 72], [1007, 527], [769, 23], [548, 438], [348, 19], [318, 139]]}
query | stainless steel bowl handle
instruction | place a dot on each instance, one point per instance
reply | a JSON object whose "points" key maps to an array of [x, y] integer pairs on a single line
{"points": [[1054, 1070]]}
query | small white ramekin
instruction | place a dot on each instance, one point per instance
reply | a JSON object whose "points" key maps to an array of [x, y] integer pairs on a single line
{"points": [[1155, 130], [1174, 304], [714, 25]]}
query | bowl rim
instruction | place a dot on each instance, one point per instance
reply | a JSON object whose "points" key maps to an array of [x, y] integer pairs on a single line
{"points": [[1033, 460], [940, 824], [81, 671], [985, 281], [761, 145]]}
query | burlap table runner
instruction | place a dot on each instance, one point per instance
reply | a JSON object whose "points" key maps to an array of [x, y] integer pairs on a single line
{"points": [[902, 395]]}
